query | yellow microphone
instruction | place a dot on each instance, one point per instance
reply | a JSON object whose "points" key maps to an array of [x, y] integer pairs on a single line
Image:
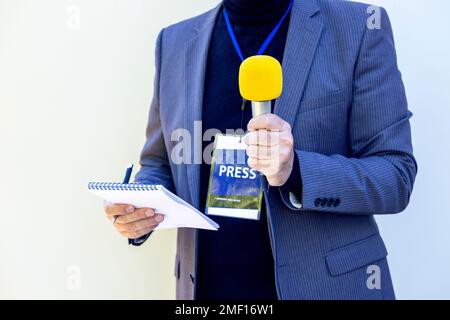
{"points": [[260, 81]]}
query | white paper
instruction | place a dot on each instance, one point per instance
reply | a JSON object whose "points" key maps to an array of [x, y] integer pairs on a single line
{"points": [[177, 213]]}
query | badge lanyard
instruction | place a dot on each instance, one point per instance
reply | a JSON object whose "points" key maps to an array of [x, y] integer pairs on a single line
{"points": [[263, 47], [266, 42]]}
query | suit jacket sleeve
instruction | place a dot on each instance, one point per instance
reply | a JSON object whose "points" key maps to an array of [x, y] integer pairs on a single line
{"points": [[378, 178], [154, 161]]}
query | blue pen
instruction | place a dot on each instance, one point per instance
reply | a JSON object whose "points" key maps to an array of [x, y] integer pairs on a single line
{"points": [[126, 180], [128, 174]]}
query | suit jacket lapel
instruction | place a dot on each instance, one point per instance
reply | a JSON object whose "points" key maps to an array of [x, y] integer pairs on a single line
{"points": [[196, 53], [302, 40]]}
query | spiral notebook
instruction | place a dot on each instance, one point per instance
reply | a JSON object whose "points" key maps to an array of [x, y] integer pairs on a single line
{"points": [[177, 212]]}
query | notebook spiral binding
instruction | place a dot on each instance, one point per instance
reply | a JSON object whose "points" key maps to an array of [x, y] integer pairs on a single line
{"points": [[121, 186]]}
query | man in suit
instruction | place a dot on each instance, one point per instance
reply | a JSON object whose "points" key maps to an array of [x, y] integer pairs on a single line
{"points": [[344, 153]]}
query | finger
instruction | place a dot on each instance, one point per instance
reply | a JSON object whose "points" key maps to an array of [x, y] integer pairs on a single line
{"points": [[137, 234], [113, 209], [137, 215], [139, 225], [269, 138], [262, 137], [259, 164], [285, 140], [262, 152], [268, 121], [136, 226], [267, 167]]}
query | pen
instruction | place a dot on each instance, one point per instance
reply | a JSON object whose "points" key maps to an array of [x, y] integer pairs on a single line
{"points": [[127, 177], [126, 180]]}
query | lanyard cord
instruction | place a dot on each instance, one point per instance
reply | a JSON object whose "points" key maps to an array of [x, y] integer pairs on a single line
{"points": [[266, 42]]}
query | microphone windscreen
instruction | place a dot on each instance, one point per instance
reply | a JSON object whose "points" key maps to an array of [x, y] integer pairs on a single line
{"points": [[260, 78]]}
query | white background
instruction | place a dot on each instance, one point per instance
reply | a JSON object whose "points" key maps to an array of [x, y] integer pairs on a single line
{"points": [[74, 104]]}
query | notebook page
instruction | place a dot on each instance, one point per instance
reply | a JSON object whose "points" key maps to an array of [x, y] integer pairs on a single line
{"points": [[177, 212]]}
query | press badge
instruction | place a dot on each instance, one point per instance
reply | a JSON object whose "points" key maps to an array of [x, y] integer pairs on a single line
{"points": [[235, 189]]}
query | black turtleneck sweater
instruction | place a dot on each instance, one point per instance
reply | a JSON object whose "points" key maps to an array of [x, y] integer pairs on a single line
{"points": [[236, 262]]}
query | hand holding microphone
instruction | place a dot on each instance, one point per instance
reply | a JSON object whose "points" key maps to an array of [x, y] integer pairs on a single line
{"points": [[270, 141]]}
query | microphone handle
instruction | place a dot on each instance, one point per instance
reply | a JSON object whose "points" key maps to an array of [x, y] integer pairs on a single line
{"points": [[261, 107]]}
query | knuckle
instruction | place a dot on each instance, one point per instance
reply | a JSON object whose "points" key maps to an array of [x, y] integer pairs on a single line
{"points": [[284, 153], [283, 161], [287, 140], [290, 143], [143, 215], [265, 134], [287, 126]]}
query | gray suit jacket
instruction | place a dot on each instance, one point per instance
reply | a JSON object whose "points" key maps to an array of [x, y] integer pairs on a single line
{"points": [[344, 98]]}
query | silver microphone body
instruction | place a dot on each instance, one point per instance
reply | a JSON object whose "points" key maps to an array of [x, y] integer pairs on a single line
{"points": [[261, 107]]}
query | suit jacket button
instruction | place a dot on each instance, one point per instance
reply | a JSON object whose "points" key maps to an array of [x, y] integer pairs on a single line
{"points": [[317, 202], [337, 202], [330, 202]]}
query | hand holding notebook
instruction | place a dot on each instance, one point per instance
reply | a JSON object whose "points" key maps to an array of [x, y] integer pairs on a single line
{"points": [[177, 212]]}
